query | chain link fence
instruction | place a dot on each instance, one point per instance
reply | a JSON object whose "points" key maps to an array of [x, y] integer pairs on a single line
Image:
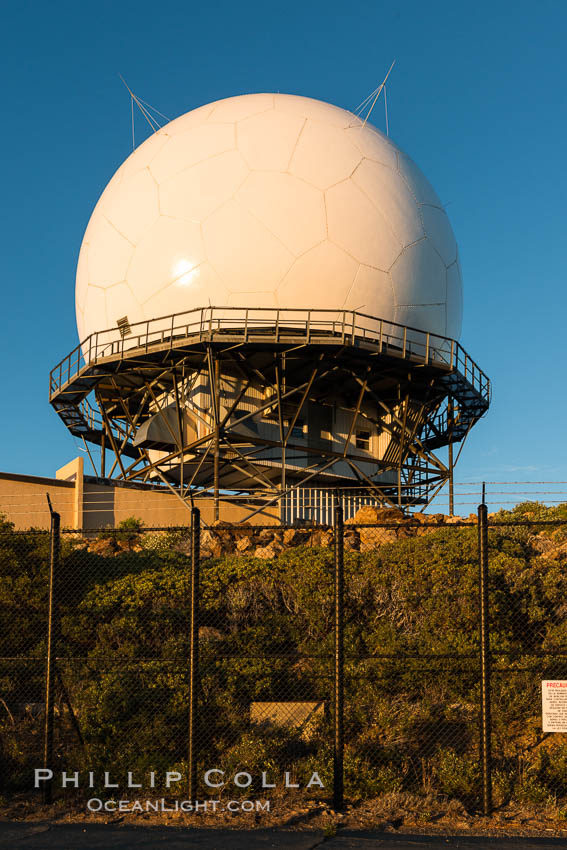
{"points": [[346, 661], [528, 615]]}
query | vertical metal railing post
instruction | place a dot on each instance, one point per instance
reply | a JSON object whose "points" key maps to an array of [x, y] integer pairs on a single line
{"points": [[338, 752], [216, 456], [193, 650], [484, 641], [54, 556], [450, 426]]}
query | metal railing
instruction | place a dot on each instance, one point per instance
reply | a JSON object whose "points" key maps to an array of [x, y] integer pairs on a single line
{"points": [[255, 324]]}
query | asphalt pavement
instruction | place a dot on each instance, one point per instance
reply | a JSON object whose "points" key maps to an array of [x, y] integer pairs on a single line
{"points": [[45, 836]]}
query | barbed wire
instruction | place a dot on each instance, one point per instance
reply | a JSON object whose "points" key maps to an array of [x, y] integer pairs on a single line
{"points": [[119, 484], [255, 492]]}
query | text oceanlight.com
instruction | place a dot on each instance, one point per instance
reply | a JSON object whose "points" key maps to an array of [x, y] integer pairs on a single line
{"points": [[195, 806]]}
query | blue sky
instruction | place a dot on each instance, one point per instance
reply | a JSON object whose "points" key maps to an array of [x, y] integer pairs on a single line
{"points": [[477, 98]]}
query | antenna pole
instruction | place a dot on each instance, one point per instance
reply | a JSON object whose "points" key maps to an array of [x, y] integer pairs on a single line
{"points": [[149, 118], [380, 87], [133, 138]]}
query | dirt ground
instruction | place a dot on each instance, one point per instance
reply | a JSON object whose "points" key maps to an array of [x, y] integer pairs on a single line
{"points": [[395, 813]]}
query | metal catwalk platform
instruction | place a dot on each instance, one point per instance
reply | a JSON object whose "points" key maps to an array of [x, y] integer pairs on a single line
{"points": [[422, 391]]}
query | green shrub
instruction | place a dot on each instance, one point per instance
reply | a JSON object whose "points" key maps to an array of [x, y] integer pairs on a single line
{"points": [[266, 634], [458, 776]]}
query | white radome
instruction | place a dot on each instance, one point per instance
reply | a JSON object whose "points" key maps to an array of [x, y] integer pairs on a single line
{"points": [[269, 200]]}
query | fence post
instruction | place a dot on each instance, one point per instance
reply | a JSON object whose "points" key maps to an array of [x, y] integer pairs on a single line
{"points": [[484, 634], [193, 649], [338, 777], [51, 648]]}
